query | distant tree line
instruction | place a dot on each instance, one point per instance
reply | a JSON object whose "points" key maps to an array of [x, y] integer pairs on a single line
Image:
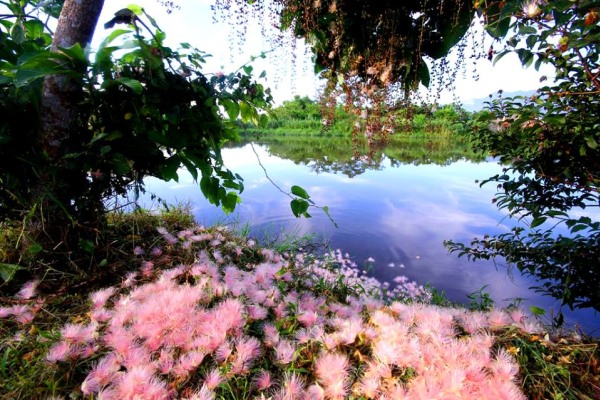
{"points": [[303, 115]]}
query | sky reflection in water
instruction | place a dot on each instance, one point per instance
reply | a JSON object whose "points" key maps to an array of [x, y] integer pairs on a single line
{"points": [[398, 215]]}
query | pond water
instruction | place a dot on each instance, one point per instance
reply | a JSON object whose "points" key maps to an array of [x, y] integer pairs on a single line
{"points": [[397, 209]]}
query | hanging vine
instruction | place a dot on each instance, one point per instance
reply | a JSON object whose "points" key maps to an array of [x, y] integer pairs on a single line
{"points": [[373, 55]]}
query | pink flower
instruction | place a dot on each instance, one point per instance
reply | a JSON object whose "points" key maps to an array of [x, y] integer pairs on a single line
{"points": [[102, 374], [213, 379], [138, 251], [78, 334], [271, 335], [498, 318], [285, 352], [256, 312], [188, 363], [6, 312], [203, 394], [291, 388], [308, 318], [247, 349], [60, 351], [101, 315], [28, 290], [139, 382], [504, 366], [147, 268], [156, 252], [223, 352], [332, 372], [100, 297], [314, 392], [368, 387], [262, 381]]}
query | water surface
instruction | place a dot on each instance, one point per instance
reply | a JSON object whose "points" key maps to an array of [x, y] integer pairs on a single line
{"points": [[397, 208]]}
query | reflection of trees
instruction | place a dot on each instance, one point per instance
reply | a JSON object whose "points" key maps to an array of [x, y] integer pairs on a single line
{"points": [[350, 168], [339, 154]]}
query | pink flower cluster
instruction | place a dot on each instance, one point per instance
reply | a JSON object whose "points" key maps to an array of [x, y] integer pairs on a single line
{"points": [[24, 312], [278, 326]]}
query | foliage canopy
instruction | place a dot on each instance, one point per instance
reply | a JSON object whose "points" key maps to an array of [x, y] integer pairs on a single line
{"points": [[549, 144]]}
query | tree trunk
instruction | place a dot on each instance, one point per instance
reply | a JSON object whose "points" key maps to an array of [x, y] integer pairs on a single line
{"points": [[60, 94], [60, 123]]}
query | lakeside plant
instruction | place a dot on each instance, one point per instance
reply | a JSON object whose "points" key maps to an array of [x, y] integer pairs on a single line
{"points": [[549, 145], [203, 313], [303, 116]]}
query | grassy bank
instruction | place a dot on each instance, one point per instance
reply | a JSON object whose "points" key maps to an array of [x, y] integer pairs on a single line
{"points": [[181, 311]]}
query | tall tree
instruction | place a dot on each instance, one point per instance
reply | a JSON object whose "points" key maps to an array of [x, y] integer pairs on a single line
{"points": [[60, 115]]}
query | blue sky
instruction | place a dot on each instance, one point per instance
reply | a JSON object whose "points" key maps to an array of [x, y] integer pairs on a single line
{"points": [[290, 75]]}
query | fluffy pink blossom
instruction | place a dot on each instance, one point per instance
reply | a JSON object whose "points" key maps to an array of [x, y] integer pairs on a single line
{"points": [[271, 335], [78, 333], [308, 318], [22, 313], [100, 297], [140, 382], [504, 366], [262, 380], [147, 269], [138, 251], [60, 351], [223, 352], [292, 387], [156, 252], [285, 352], [213, 378], [314, 392], [187, 363], [28, 290], [247, 349], [203, 394], [256, 312], [332, 371]]}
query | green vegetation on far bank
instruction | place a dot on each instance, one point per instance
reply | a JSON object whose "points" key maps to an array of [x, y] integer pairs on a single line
{"points": [[303, 116]]}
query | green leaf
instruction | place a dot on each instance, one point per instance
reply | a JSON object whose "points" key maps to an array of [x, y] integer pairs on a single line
{"points": [[591, 142], [137, 10], [300, 192], [525, 56], [35, 248], [578, 227], [230, 201], [120, 164], [17, 32], [537, 221], [170, 168], [526, 30], [131, 83], [8, 271], [537, 310], [87, 246], [75, 53], [231, 108], [554, 119], [245, 111], [560, 18], [299, 207], [263, 121], [34, 28]]}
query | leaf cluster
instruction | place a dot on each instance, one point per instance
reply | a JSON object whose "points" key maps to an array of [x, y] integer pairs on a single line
{"points": [[549, 144], [144, 109]]}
